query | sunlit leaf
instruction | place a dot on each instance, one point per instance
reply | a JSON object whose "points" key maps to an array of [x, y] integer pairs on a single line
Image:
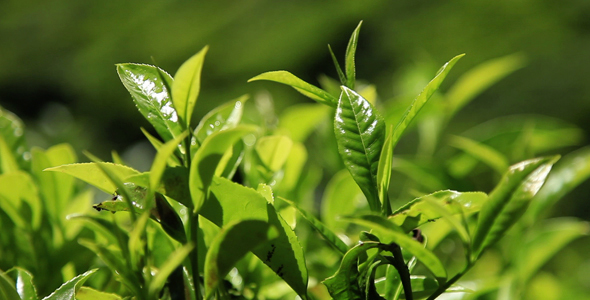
{"points": [[301, 86], [86, 293], [187, 85], [91, 173], [349, 65], [223, 253], [508, 201], [15, 188], [384, 172], [149, 93], [341, 75], [8, 287], [225, 116], [273, 151], [24, 283], [67, 291], [159, 163], [360, 134], [340, 199], [12, 142], [482, 152], [300, 120], [175, 260]]}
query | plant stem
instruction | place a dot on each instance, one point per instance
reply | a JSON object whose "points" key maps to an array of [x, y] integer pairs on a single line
{"points": [[194, 228]]}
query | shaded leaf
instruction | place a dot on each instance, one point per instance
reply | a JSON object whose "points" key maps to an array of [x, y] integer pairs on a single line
{"points": [[151, 97], [360, 134], [301, 86], [341, 75], [174, 260], [159, 163], [187, 85]]}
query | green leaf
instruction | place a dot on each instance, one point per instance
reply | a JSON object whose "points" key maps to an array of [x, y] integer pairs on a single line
{"points": [[349, 65], [172, 160], [360, 134], [484, 153], [169, 219], [324, 231], [273, 151], [569, 172], [8, 287], [508, 201], [186, 86], [67, 291], [545, 241], [419, 102], [159, 163], [13, 146], [384, 172], [174, 183], [24, 284], [15, 188], [175, 260], [151, 97], [207, 161], [293, 168], [301, 119], [225, 116], [230, 201], [341, 75], [478, 79], [91, 173], [340, 199], [234, 241], [308, 90], [86, 293], [389, 232], [343, 285], [418, 211]]}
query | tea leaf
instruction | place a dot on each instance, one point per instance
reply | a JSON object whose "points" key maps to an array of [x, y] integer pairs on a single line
{"points": [[91, 173], [384, 172], [349, 65], [174, 260], [86, 293], [301, 119], [13, 146], [151, 97], [230, 245], [273, 151], [341, 75], [340, 198], [225, 116], [508, 201], [360, 134], [16, 188], [159, 163], [484, 153], [67, 291], [419, 102], [299, 85], [186, 86]]}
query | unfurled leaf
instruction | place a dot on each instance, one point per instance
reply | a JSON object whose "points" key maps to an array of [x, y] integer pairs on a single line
{"points": [[419, 102], [92, 174], [324, 231], [24, 283], [223, 253], [187, 85], [148, 90], [172, 160], [360, 134], [482, 152], [340, 199], [86, 293], [301, 86], [349, 65], [8, 287], [226, 116], [384, 172], [341, 75], [508, 201], [273, 151], [300, 120], [67, 291], [175, 260], [13, 147], [159, 163], [16, 188], [207, 161]]}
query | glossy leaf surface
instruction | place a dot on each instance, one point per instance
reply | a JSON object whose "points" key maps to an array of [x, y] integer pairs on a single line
{"points": [[419, 102], [225, 116], [349, 64], [68, 290], [151, 97], [12, 132], [7, 287], [360, 134], [301, 86], [223, 253], [508, 201], [24, 284], [86, 293], [92, 174], [187, 85]]}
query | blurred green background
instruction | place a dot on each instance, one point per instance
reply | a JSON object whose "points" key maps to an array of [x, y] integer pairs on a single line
{"points": [[57, 60]]}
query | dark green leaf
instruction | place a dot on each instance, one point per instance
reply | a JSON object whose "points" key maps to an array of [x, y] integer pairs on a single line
{"points": [[169, 219], [301, 86], [508, 201], [151, 97], [360, 134]]}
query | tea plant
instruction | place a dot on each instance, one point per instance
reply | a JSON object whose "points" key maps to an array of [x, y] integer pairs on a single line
{"points": [[217, 216]]}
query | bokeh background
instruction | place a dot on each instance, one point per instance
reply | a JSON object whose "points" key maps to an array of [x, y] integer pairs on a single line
{"points": [[57, 60]]}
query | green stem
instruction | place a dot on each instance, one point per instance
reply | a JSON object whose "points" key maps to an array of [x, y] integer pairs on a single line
{"points": [[402, 269], [441, 289], [194, 223]]}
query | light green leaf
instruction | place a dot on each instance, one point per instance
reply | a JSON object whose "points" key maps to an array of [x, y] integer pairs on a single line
{"points": [[418, 211], [484, 153], [151, 97], [86, 293], [301, 119], [324, 231], [478, 79], [7, 287], [91, 173], [230, 201], [207, 161], [508, 201], [360, 134], [343, 285], [159, 163], [187, 85], [172, 160], [24, 283], [67, 291], [8, 162], [273, 151], [341, 75], [12, 142], [293, 168], [16, 187], [545, 241], [225, 116], [389, 232], [234, 241], [175, 260], [340, 199], [173, 183], [569, 172], [301, 86], [384, 172], [349, 65], [419, 102]]}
